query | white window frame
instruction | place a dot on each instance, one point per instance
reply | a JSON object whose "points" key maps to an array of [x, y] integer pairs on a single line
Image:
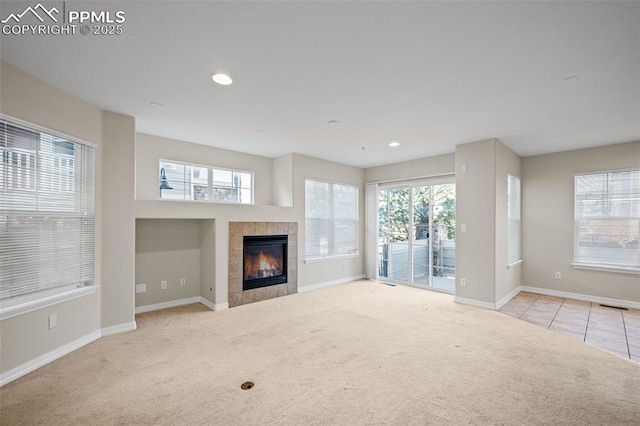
{"points": [[599, 266], [514, 254], [332, 230], [210, 182], [33, 301]]}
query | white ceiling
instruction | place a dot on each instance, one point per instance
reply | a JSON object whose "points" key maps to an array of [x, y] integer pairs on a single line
{"points": [[429, 75]]}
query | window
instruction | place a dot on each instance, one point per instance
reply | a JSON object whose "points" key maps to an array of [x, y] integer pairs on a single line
{"points": [[46, 213], [607, 219], [513, 219], [331, 219], [183, 181]]}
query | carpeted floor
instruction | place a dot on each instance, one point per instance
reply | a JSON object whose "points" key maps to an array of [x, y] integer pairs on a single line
{"points": [[354, 354]]}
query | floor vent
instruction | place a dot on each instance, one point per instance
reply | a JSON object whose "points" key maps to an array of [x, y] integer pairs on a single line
{"points": [[389, 284], [614, 307]]}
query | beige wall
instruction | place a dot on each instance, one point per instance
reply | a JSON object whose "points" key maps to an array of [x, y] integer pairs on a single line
{"points": [[207, 259], [476, 208], [548, 221], [167, 250], [330, 270], [150, 149], [283, 181], [118, 223], [25, 337], [481, 205], [508, 279], [421, 167], [147, 207]]}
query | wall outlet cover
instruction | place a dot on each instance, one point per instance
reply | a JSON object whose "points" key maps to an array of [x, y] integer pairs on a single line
{"points": [[141, 288]]}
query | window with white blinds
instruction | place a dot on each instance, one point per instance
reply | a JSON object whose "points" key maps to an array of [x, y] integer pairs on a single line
{"points": [[46, 212], [331, 219], [607, 220], [513, 218]]}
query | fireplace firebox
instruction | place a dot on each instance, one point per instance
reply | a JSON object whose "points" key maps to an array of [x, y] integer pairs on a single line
{"points": [[264, 261]]}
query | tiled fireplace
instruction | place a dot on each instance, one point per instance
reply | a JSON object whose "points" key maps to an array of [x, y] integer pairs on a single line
{"points": [[263, 261]]}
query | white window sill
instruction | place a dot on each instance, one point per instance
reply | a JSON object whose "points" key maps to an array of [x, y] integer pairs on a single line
{"points": [[512, 264], [25, 304], [330, 258], [607, 268]]}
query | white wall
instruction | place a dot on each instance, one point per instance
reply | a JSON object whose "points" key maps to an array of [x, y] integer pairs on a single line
{"points": [[548, 221]]}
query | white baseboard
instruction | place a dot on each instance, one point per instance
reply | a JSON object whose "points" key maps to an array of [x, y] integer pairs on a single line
{"points": [[500, 303], [50, 356], [585, 297], [329, 283], [181, 302], [476, 303], [169, 304], [216, 306], [115, 329]]}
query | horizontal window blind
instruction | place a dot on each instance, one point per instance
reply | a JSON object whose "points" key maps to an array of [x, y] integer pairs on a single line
{"points": [[607, 219], [47, 220], [331, 219]]}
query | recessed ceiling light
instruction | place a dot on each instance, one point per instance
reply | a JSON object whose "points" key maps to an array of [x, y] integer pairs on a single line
{"points": [[394, 144], [333, 122], [157, 104], [222, 79]]}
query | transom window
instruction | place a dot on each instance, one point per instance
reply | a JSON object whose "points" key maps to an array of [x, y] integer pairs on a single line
{"points": [[193, 182], [607, 220]]}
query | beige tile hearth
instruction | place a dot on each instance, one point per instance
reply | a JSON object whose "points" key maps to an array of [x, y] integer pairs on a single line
{"points": [[237, 232]]}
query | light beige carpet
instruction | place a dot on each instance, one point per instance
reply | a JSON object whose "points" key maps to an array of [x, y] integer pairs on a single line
{"points": [[354, 354]]}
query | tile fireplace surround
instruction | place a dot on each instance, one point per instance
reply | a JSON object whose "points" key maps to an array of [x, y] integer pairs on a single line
{"points": [[237, 230]]}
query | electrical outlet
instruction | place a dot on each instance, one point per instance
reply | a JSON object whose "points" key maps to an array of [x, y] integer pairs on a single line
{"points": [[558, 275], [141, 288], [463, 282], [463, 227], [163, 285], [183, 282], [53, 321]]}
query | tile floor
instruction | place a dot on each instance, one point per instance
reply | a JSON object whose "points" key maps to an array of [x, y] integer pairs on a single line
{"points": [[615, 330]]}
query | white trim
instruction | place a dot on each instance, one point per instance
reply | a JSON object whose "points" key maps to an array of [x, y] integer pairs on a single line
{"points": [[500, 303], [329, 258], [607, 268], [7, 312], [311, 287], [476, 303], [512, 264], [181, 302], [209, 304], [169, 304], [50, 356], [585, 297], [120, 328], [216, 306]]}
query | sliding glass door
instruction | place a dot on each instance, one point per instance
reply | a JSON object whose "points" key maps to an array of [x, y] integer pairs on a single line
{"points": [[416, 235]]}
